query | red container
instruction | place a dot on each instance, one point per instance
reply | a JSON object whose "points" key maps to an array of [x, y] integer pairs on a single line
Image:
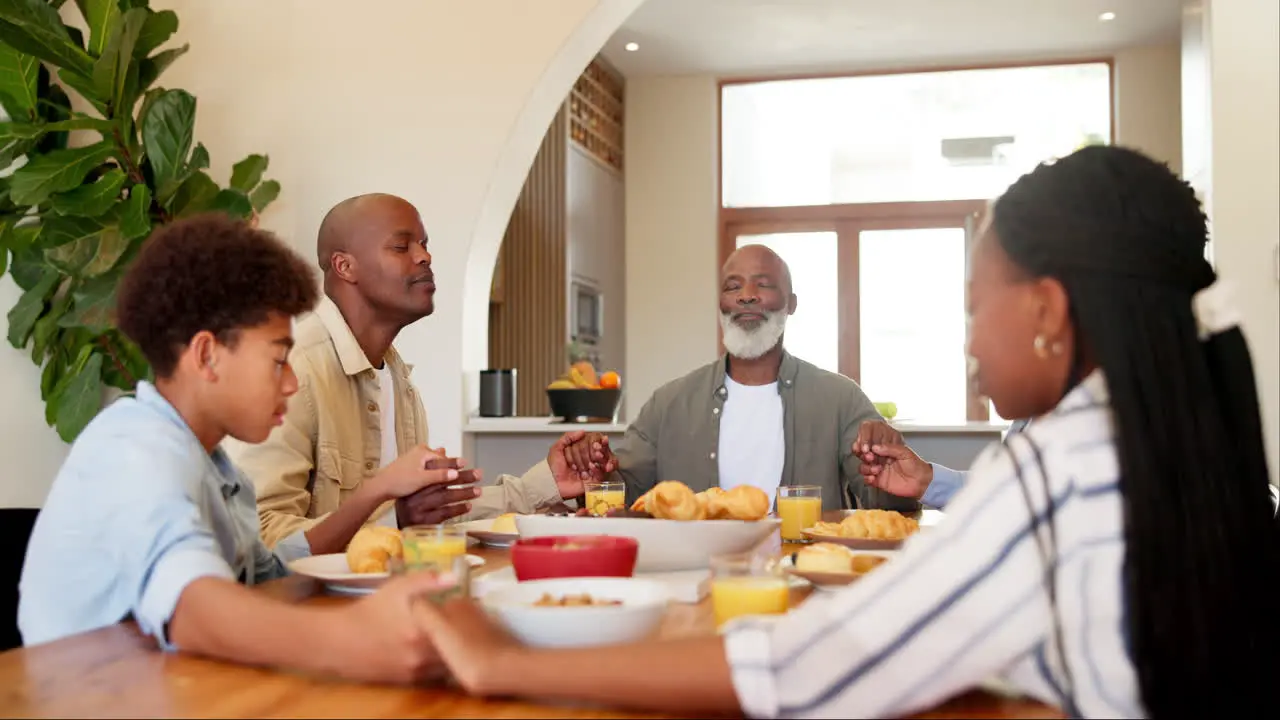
{"points": [[562, 556]]}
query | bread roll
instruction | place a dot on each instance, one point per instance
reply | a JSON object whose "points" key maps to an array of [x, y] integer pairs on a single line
{"points": [[372, 548], [505, 523], [825, 558], [745, 502], [707, 498], [673, 500]]}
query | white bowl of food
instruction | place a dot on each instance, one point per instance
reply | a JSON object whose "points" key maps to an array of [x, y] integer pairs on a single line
{"points": [[665, 545], [579, 612]]}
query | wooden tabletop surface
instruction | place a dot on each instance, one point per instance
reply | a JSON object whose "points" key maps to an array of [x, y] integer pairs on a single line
{"points": [[117, 672]]}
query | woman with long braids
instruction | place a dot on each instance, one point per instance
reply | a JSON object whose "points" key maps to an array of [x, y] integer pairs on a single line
{"points": [[1116, 559]]}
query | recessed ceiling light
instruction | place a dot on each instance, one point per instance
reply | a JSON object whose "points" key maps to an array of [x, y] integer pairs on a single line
{"points": [[1107, 17], [632, 47]]}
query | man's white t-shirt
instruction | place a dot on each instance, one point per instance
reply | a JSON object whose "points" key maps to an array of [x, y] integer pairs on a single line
{"points": [[387, 409], [752, 446]]}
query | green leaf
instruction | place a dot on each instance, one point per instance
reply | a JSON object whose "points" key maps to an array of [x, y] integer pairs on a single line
{"points": [[195, 195], [22, 237], [83, 84], [33, 27], [167, 131], [57, 171], [47, 327], [150, 69], [199, 158], [135, 213], [133, 364], [160, 26], [81, 400], [27, 267], [95, 304], [111, 71], [92, 199], [247, 173], [18, 74], [51, 374], [101, 16], [28, 309], [264, 195], [233, 203], [4, 259], [91, 254], [62, 230]]}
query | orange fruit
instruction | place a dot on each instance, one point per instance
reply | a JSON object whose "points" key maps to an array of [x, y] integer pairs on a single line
{"points": [[610, 381]]}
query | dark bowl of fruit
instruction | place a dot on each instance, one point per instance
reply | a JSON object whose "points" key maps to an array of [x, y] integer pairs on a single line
{"points": [[580, 396]]}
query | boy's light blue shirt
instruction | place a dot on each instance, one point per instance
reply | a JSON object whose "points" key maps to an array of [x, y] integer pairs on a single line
{"points": [[137, 512]]}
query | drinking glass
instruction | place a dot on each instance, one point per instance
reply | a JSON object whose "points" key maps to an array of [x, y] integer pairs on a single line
{"points": [[436, 549], [747, 584], [603, 496], [799, 508]]}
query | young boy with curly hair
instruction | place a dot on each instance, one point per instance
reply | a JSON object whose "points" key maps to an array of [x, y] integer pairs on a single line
{"points": [[148, 519]]}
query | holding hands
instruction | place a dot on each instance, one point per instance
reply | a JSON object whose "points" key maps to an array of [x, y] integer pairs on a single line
{"points": [[887, 463]]}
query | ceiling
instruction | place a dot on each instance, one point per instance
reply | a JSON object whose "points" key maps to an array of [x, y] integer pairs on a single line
{"points": [[766, 37]]}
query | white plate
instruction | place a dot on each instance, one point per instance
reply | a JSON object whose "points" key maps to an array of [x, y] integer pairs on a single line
{"points": [[644, 602], [479, 529], [333, 571], [665, 545]]}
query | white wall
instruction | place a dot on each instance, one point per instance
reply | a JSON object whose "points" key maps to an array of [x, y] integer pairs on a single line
{"points": [[671, 151], [441, 101], [1242, 174], [672, 145], [1148, 101]]}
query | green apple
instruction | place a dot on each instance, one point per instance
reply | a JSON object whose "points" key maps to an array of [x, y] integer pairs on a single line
{"points": [[887, 409]]}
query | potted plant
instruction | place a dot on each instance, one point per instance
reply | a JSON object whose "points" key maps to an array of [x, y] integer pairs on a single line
{"points": [[82, 189]]}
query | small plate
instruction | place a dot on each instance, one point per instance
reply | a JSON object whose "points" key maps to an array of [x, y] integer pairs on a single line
{"points": [[854, 543], [333, 571], [826, 579], [479, 529]]}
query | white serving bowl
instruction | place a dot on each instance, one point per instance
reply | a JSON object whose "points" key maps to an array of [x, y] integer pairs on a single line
{"points": [[665, 545], [644, 602]]}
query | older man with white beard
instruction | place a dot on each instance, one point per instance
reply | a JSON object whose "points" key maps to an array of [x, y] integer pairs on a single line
{"points": [[756, 416]]}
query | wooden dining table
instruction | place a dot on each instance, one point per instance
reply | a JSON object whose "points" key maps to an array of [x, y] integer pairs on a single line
{"points": [[119, 672]]}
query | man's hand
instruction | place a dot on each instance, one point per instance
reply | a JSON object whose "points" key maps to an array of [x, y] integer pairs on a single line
{"points": [[379, 639], [887, 462], [436, 503], [579, 456]]}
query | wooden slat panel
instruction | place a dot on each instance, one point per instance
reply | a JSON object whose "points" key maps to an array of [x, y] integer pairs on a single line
{"points": [[528, 329]]}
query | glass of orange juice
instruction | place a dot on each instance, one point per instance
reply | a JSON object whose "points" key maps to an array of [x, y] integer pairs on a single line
{"points": [[437, 549], [747, 584], [799, 508], [601, 497]]}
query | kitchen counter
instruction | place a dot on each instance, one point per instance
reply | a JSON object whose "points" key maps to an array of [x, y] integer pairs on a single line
{"points": [[512, 445], [522, 425]]}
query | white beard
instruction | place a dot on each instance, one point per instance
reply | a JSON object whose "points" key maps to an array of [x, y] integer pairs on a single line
{"points": [[751, 344]]}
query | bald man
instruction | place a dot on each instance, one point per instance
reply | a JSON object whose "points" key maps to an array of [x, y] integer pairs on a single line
{"points": [[758, 415], [354, 440]]}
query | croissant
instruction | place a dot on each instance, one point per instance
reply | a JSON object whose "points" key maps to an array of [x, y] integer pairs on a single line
{"points": [[877, 525], [706, 498], [745, 502], [673, 500], [372, 548], [642, 503]]}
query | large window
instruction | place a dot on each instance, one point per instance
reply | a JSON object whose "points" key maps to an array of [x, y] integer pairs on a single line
{"points": [[870, 188]]}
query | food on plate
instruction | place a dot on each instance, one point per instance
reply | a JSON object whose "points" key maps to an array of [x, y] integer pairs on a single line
{"points": [[673, 500], [580, 600], [824, 557], [870, 525], [372, 549], [505, 524], [867, 563], [832, 558]]}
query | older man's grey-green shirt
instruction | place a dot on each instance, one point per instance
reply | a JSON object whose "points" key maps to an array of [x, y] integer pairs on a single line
{"points": [[677, 435]]}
